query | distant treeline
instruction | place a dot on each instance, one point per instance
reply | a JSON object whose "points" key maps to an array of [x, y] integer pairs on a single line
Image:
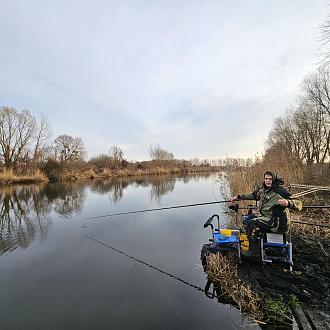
{"points": [[27, 153]]}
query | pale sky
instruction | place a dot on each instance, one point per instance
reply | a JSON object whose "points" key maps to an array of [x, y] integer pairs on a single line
{"points": [[201, 78]]}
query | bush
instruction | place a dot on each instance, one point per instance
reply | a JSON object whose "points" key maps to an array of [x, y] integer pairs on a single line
{"points": [[53, 169]]}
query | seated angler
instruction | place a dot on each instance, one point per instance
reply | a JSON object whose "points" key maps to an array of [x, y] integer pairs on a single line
{"points": [[274, 203]]}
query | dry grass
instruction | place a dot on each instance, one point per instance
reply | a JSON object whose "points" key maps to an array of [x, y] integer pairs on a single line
{"points": [[223, 271], [311, 217], [9, 177], [72, 175], [106, 173], [244, 180]]}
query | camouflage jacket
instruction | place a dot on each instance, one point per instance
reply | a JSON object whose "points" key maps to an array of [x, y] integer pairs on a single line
{"points": [[267, 198]]}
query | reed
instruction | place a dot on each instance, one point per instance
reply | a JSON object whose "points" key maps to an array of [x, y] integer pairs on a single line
{"points": [[222, 270], [106, 173], [310, 217], [9, 177]]}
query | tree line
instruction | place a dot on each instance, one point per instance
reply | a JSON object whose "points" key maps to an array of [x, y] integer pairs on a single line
{"points": [[303, 133], [25, 143]]}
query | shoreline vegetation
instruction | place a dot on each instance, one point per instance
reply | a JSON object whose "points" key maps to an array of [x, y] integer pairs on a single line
{"points": [[57, 171], [269, 295]]}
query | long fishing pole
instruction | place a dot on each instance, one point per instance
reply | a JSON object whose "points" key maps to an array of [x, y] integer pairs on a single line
{"points": [[190, 205], [304, 207], [311, 224], [155, 209]]}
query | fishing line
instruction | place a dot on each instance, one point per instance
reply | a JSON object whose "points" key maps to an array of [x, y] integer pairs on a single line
{"points": [[147, 264], [155, 209], [214, 194]]}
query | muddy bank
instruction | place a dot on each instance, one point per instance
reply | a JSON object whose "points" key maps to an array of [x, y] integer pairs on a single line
{"points": [[307, 287], [309, 281]]}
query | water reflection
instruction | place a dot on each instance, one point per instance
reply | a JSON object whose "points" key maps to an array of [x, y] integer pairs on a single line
{"points": [[26, 210], [159, 185], [23, 214], [66, 198], [115, 188]]}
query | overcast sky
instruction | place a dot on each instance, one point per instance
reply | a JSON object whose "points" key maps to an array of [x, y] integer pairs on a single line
{"points": [[201, 78]]}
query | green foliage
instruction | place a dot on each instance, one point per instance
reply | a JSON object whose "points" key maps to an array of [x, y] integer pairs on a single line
{"points": [[276, 309], [293, 301]]}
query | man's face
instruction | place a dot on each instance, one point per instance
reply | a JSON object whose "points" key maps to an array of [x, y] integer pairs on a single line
{"points": [[268, 180]]}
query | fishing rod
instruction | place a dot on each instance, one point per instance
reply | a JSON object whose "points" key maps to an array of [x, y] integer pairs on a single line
{"points": [[235, 207], [155, 209], [311, 224]]}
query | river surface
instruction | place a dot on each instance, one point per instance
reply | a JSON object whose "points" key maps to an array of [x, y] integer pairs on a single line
{"points": [[60, 270]]}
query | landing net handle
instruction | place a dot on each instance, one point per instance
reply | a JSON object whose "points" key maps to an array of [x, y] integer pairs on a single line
{"points": [[209, 222]]}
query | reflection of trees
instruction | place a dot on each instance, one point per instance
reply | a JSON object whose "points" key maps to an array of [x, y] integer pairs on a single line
{"points": [[25, 210], [66, 198], [197, 177], [23, 214], [114, 186], [160, 185]]}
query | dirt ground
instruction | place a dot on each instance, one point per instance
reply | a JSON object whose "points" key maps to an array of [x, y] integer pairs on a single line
{"points": [[309, 281]]}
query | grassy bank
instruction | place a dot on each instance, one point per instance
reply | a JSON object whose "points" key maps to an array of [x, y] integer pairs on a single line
{"points": [[62, 172], [69, 175], [8, 177]]}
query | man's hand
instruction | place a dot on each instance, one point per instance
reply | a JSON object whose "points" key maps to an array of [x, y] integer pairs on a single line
{"points": [[283, 202], [233, 199]]}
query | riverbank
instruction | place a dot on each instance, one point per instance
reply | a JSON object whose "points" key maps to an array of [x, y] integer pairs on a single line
{"points": [[269, 293], [127, 172], [8, 177]]}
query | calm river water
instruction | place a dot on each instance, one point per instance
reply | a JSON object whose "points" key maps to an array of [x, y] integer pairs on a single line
{"points": [[59, 270]]}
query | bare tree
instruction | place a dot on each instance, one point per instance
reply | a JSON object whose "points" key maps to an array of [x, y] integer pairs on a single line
{"points": [[68, 148], [17, 131], [302, 134], [316, 95], [314, 131], [325, 40], [159, 153], [43, 135], [116, 153], [316, 91], [285, 135]]}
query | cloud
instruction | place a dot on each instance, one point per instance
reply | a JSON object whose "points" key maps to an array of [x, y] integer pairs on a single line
{"points": [[202, 78]]}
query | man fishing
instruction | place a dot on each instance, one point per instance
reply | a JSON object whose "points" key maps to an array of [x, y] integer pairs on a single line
{"points": [[274, 203]]}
